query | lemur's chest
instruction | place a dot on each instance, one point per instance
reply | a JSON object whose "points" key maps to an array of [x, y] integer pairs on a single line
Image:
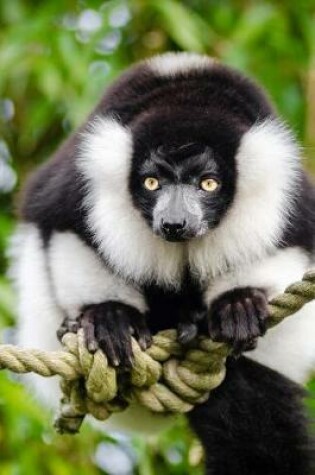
{"points": [[80, 277], [168, 307]]}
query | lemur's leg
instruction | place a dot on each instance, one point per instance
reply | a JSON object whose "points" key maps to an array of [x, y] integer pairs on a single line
{"points": [[254, 424]]}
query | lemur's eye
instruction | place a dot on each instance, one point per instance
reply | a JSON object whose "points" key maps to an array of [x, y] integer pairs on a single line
{"points": [[151, 183], [209, 184]]}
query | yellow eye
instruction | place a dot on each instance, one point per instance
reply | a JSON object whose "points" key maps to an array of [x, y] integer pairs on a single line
{"points": [[209, 184], [151, 183]]}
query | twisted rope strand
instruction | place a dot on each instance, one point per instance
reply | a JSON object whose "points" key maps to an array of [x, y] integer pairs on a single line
{"points": [[164, 378]]}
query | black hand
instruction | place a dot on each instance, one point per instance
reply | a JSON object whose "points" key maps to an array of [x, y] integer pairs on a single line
{"points": [[109, 326], [238, 318]]}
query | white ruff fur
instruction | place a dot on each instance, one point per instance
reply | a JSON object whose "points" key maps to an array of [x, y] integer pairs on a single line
{"points": [[171, 64], [267, 162], [122, 235]]}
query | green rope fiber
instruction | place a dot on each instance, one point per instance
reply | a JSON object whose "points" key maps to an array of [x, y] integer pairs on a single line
{"points": [[166, 378]]}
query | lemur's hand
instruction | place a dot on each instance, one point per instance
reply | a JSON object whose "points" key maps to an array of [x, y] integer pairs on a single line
{"points": [[238, 317], [110, 326]]}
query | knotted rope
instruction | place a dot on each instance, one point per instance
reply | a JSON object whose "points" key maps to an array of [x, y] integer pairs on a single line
{"points": [[167, 377]]}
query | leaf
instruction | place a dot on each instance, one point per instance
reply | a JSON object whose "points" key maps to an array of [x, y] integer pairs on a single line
{"points": [[183, 25]]}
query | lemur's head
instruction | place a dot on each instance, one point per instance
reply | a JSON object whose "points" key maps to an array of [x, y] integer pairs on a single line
{"points": [[186, 150], [182, 182]]}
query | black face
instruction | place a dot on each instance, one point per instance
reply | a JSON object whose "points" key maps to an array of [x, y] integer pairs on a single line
{"points": [[183, 190]]}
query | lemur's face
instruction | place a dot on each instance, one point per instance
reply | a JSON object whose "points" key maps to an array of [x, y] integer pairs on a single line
{"points": [[182, 189]]}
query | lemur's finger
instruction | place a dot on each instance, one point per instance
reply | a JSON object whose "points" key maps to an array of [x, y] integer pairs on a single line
{"points": [[87, 323], [141, 332], [106, 342]]}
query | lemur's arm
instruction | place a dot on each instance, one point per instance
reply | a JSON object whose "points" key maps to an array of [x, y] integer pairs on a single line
{"points": [[237, 301], [70, 286], [108, 308]]}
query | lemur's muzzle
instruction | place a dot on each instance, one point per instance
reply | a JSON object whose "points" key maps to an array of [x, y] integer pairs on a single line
{"points": [[177, 215]]}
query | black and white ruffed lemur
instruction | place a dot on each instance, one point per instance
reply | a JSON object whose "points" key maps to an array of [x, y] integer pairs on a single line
{"points": [[181, 202]]}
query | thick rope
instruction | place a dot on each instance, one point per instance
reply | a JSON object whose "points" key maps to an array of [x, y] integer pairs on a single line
{"points": [[165, 378]]}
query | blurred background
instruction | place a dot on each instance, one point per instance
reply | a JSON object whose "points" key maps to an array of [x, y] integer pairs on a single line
{"points": [[56, 58]]}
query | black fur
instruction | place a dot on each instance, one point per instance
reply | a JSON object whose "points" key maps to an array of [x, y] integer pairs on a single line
{"points": [[254, 424], [53, 197], [139, 92], [183, 308]]}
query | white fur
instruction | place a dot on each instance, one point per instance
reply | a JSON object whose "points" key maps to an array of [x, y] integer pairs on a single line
{"points": [[38, 314], [289, 348], [121, 233], [79, 277], [171, 64], [267, 163]]}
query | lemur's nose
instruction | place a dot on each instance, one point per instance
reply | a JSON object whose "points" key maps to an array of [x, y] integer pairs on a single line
{"points": [[173, 230]]}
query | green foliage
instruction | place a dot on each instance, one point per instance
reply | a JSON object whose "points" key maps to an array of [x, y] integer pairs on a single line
{"points": [[29, 445], [56, 59]]}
